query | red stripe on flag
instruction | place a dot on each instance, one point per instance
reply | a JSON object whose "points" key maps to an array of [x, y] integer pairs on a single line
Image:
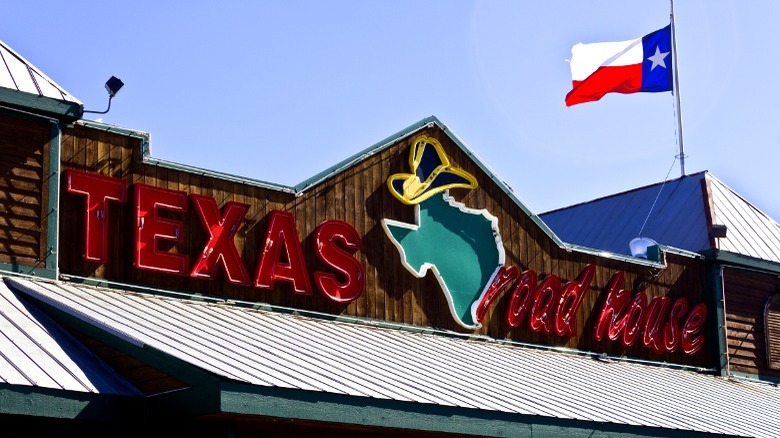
{"points": [[624, 79]]}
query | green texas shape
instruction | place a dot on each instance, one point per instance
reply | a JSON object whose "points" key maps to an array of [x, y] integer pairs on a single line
{"points": [[462, 247]]}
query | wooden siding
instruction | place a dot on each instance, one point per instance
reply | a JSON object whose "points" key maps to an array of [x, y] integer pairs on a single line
{"points": [[23, 168], [359, 196], [746, 293], [772, 318]]}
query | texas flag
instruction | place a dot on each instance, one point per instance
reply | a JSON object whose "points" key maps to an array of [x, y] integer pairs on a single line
{"points": [[640, 65]]}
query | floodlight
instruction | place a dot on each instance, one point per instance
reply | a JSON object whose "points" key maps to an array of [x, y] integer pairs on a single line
{"points": [[113, 85]]}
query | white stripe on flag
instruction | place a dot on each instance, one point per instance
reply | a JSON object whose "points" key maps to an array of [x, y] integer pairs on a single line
{"points": [[586, 58]]}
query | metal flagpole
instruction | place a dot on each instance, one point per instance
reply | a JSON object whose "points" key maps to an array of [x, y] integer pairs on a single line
{"points": [[676, 93]]}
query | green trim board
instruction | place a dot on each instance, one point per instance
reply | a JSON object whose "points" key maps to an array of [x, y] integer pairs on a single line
{"points": [[195, 401], [53, 207], [62, 110], [715, 305], [729, 258], [58, 403], [297, 404]]}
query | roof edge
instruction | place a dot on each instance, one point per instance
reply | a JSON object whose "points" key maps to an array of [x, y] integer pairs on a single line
{"points": [[304, 405], [147, 158], [623, 193], [61, 110], [367, 152], [740, 260], [63, 404]]}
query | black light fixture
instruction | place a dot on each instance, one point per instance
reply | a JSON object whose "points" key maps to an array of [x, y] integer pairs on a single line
{"points": [[719, 231], [113, 85]]}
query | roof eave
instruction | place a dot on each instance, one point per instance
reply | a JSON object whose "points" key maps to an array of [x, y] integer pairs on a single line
{"points": [[62, 110], [301, 405], [58, 403], [733, 259]]}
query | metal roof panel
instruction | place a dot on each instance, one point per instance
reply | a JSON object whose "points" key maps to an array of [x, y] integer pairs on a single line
{"points": [[265, 348], [35, 351], [751, 232], [19, 74]]}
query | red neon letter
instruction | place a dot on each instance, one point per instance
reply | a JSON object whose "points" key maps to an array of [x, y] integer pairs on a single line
{"points": [[693, 324], [654, 323], [571, 299], [503, 277], [672, 328], [632, 321], [282, 239], [610, 318], [98, 189], [542, 309], [329, 239], [151, 228], [520, 302], [222, 227]]}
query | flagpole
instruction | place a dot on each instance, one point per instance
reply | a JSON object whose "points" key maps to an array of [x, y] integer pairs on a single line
{"points": [[676, 92]]}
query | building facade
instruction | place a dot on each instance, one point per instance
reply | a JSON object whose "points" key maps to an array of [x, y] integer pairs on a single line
{"points": [[405, 291]]}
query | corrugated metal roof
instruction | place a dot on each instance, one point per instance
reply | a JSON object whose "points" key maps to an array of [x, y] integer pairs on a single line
{"points": [[292, 351], [751, 232], [35, 351], [676, 217], [19, 74]]}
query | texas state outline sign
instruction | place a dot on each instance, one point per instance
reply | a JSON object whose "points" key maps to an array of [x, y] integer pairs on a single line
{"points": [[463, 248], [460, 245]]}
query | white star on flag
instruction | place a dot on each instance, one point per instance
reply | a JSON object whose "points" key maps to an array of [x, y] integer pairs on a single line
{"points": [[658, 58]]}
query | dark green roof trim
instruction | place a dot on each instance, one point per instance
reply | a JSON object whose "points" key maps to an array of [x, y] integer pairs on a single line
{"points": [[57, 403], [190, 402], [739, 260], [62, 110], [297, 404]]}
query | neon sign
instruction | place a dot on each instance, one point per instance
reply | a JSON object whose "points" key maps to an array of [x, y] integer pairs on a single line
{"points": [[657, 323], [450, 240], [281, 258], [460, 245]]}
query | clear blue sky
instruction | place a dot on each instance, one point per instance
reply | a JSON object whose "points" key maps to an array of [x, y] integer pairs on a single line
{"points": [[280, 90]]}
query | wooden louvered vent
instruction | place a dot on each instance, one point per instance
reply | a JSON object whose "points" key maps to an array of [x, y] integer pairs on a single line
{"points": [[22, 170], [772, 318]]}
